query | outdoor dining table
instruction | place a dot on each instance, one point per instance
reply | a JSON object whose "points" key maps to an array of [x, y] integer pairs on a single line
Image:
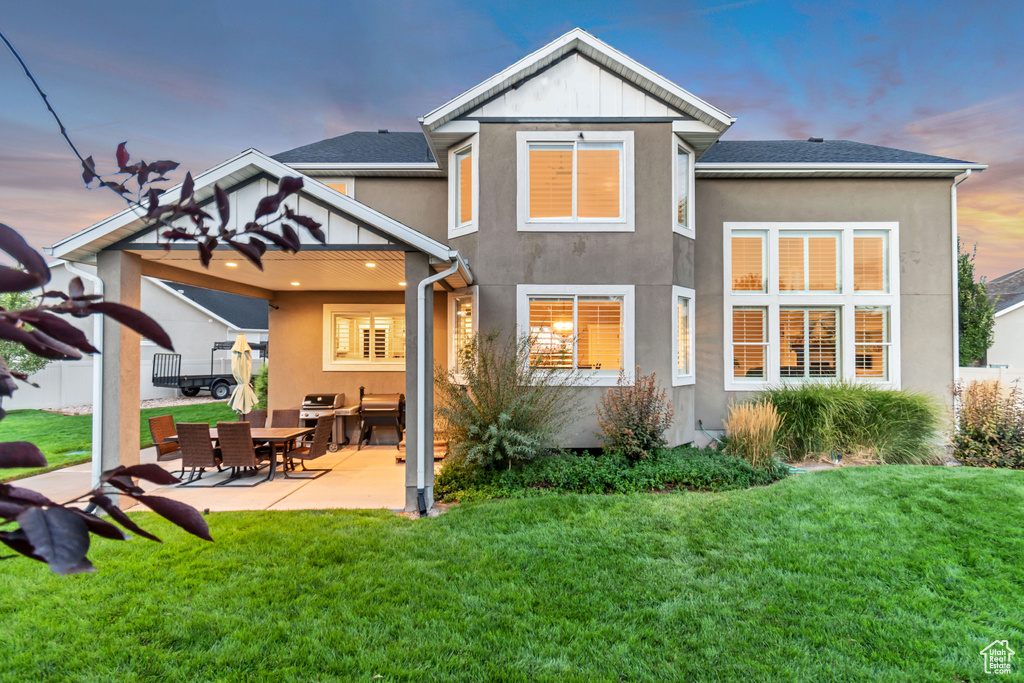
{"points": [[275, 436]]}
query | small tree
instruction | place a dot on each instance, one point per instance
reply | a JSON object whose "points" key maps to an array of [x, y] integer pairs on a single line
{"points": [[977, 314], [15, 355], [634, 415]]}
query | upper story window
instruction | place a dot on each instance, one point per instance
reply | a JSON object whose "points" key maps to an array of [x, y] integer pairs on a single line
{"points": [[811, 301], [682, 181], [364, 337], [463, 177], [346, 186], [575, 181]]}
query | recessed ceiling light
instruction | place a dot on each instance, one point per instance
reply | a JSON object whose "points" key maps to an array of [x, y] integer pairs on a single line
{"points": [[229, 264], [371, 264], [295, 284], [401, 284]]}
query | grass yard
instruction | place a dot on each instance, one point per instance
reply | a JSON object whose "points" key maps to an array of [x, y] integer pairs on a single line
{"points": [[883, 573], [67, 439]]}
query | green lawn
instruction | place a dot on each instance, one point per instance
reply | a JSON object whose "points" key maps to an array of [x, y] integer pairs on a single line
{"points": [[884, 573], [67, 439]]}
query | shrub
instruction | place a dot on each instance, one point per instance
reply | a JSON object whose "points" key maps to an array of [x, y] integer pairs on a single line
{"points": [[990, 424], [260, 385], [501, 409], [752, 429], [683, 467], [634, 416], [844, 419]]}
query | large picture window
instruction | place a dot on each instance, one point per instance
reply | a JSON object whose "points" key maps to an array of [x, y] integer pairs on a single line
{"points": [[576, 180], [360, 337], [811, 302], [581, 327]]}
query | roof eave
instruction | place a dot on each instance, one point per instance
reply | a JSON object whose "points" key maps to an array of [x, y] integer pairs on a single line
{"points": [[833, 169]]}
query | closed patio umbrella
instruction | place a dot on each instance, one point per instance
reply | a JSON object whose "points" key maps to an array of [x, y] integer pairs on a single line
{"points": [[243, 398]]}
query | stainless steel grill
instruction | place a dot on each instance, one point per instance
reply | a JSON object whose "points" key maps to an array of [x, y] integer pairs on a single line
{"points": [[315, 405], [380, 410]]}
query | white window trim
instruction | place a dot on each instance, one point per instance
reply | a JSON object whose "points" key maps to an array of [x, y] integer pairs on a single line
{"points": [[627, 292], [471, 143], [331, 365], [687, 230], [348, 181], [846, 300], [679, 380], [626, 223], [472, 291]]}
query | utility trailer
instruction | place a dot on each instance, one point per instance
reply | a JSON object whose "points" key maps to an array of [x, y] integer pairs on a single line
{"points": [[167, 373]]}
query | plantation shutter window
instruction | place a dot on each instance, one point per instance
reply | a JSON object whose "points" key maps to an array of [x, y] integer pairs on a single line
{"points": [[809, 343], [682, 187], [871, 338], [749, 342], [684, 364], [809, 261], [577, 332], [462, 330], [464, 171], [748, 262], [365, 338], [575, 180], [551, 181], [870, 261]]}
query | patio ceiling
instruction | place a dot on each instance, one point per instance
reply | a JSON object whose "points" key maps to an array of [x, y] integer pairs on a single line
{"points": [[313, 270]]}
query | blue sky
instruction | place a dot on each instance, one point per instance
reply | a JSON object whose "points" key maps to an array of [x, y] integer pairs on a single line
{"points": [[198, 82]]}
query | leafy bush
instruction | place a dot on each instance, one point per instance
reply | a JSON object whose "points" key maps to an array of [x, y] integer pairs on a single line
{"points": [[990, 425], [261, 382], [753, 430], [634, 416], [683, 467], [500, 409], [841, 418]]}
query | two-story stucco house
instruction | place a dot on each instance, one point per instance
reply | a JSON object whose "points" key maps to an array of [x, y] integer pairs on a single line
{"points": [[582, 199]]}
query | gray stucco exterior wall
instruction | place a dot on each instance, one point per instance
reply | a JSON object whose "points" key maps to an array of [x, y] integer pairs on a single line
{"points": [[420, 203], [920, 206]]}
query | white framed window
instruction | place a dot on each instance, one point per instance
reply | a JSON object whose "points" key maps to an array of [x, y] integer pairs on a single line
{"points": [[683, 352], [815, 301], [589, 328], [682, 188], [462, 319], [463, 183], [575, 181], [364, 337], [346, 186]]}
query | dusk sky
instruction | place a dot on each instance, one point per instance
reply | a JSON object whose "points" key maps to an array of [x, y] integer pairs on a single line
{"points": [[198, 82]]}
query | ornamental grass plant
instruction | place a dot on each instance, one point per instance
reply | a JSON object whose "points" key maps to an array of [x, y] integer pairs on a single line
{"points": [[752, 430]]}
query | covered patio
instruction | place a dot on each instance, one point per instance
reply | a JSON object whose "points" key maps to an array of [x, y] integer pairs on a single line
{"points": [[368, 309]]}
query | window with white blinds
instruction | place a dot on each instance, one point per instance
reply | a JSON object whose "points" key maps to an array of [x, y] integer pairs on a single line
{"points": [[364, 337], [811, 302], [683, 337], [462, 188], [581, 327]]}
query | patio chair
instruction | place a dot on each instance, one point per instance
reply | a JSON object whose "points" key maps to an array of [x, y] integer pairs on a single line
{"points": [[284, 418], [312, 450], [160, 428], [257, 419], [197, 450], [237, 450]]}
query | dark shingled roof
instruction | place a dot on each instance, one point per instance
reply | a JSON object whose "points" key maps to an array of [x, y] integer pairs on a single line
{"points": [[362, 148], [1007, 290], [805, 151], [244, 312]]}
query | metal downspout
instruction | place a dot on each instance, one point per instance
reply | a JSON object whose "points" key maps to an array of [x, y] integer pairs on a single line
{"points": [[421, 376], [97, 378]]}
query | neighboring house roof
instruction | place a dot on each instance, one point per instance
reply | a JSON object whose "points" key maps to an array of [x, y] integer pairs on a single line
{"points": [[1006, 292], [242, 312], [382, 147], [808, 151]]}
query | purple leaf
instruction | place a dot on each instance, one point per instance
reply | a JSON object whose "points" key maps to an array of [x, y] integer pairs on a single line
{"points": [[17, 541], [205, 254], [288, 186], [38, 342], [268, 205], [185, 516], [16, 493], [122, 483], [116, 187], [59, 536], [15, 245], [21, 454], [76, 289], [136, 320], [151, 472], [107, 505], [10, 510], [59, 328], [122, 156], [100, 527], [282, 240], [249, 251], [223, 205], [88, 170], [288, 233], [154, 203], [187, 187], [163, 167], [142, 175], [14, 280]]}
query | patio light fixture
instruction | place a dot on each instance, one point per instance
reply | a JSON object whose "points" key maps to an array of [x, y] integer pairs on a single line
{"points": [[401, 284], [229, 264], [371, 264], [295, 284]]}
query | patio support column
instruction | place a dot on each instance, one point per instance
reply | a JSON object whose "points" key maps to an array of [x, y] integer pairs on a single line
{"points": [[121, 273], [417, 268]]}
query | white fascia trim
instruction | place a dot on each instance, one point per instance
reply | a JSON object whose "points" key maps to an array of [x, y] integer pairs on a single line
{"points": [[575, 39], [723, 168], [690, 295], [1009, 309], [685, 231], [376, 166], [627, 183], [628, 294], [454, 186]]}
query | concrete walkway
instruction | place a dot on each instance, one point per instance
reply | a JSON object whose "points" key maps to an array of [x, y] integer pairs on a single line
{"points": [[369, 478]]}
